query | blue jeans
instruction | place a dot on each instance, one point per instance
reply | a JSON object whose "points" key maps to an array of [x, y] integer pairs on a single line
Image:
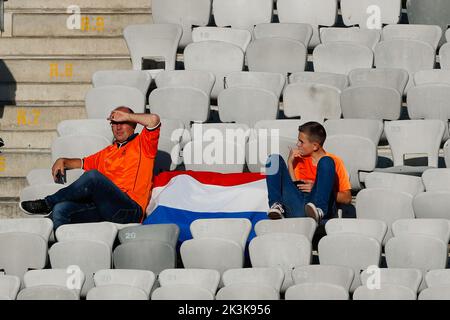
{"points": [[282, 189], [92, 198]]}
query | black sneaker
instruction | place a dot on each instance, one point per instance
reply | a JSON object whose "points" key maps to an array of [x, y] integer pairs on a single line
{"points": [[35, 207], [313, 212], [276, 211]]}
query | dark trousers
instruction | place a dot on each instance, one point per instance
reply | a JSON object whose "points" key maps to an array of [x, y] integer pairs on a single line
{"points": [[92, 198], [281, 188]]}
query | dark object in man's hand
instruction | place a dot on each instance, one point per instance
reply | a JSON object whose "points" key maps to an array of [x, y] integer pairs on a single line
{"points": [[299, 182], [60, 178]]}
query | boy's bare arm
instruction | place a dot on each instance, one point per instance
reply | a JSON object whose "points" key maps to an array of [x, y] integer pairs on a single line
{"points": [[344, 197]]}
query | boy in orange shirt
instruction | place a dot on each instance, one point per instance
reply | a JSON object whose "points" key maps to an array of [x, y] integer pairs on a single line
{"points": [[312, 181]]}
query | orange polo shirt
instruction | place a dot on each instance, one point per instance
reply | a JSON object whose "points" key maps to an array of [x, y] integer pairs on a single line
{"points": [[130, 165], [304, 169]]}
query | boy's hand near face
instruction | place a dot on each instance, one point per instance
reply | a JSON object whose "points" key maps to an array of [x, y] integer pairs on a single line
{"points": [[293, 153]]}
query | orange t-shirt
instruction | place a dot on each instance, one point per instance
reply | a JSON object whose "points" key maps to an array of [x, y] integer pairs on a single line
{"points": [[304, 169], [130, 166]]}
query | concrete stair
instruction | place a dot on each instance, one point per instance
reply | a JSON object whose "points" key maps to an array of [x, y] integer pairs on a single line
{"points": [[45, 71]]}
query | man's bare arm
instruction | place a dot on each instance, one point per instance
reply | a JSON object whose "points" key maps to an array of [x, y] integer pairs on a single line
{"points": [[148, 120], [65, 163], [344, 197]]}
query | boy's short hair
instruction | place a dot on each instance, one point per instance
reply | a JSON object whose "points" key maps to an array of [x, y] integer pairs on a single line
{"points": [[315, 132]]}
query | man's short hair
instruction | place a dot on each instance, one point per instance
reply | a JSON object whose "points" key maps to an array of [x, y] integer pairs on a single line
{"points": [[315, 132], [124, 107]]}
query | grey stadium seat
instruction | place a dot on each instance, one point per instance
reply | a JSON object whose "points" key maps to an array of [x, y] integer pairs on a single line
{"points": [[9, 287], [438, 228], [368, 227], [247, 291], [432, 76], [272, 277], [316, 291], [429, 12], [204, 278], [202, 80], [368, 128], [386, 292], [303, 226], [410, 278], [336, 275]]}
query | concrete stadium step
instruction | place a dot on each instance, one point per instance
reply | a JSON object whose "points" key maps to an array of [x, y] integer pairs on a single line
{"points": [[28, 139], [34, 117], [83, 4], [58, 69], [29, 47], [10, 209], [93, 24], [16, 163], [43, 92], [11, 187]]}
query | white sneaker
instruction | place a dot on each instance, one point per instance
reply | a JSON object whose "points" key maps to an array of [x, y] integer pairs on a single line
{"points": [[313, 212], [276, 211]]}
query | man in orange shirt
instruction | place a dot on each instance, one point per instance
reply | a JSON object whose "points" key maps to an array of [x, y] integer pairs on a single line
{"points": [[117, 182], [312, 181]]}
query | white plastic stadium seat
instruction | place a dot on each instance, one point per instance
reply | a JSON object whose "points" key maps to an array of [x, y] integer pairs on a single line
{"points": [[154, 41], [336, 275], [444, 56], [358, 153], [9, 287], [435, 293], [428, 101], [281, 250], [247, 105], [410, 278], [130, 78], [437, 278], [439, 228], [360, 12], [301, 32], [410, 55], [187, 13], [426, 33], [104, 232], [238, 37], [102, 100], [436, 179], [204, 278], [367, 128], [316, 291], [432, 205], [242, 14], [116, 292], [395, 182], [303, 226], [432, 76], [366, 37], [312, 101], [141, 279], [386, 292], [372, 228], [39, 226], [182, 292], [339, 81], [279, 55], [247, 291], [272, 277], [100, 127], [315, 13], [202, 80], [371, 102], [266, 80], [385, 205], [217, 57], [341, 57], [287, 128], [380, 77], [350, 250]]}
